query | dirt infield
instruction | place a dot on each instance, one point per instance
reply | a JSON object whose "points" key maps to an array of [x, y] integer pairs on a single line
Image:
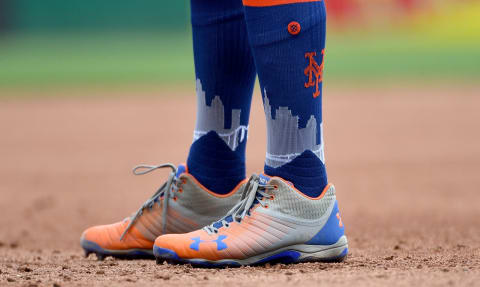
{"points": [[405, 162]]}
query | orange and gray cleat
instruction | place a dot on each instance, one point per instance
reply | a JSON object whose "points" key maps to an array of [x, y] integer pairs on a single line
{"points": [[180, 205], [274, 222]]}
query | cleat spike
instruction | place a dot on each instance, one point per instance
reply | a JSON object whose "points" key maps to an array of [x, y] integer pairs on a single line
{"points": [[86, 253], [158, 260]]}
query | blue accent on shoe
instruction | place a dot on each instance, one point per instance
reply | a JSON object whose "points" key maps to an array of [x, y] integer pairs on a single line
{"points": [[196, 243], [181, 169], [285, 257], [220, 244], [172, 257], [219, 224], [164, 253], [331, 231], [215, 165], [263, 179], [92, 247], [307, 173]]}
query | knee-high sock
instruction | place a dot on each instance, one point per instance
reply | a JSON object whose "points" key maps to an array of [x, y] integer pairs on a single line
{"points": [[225, 75], [287, 38]]}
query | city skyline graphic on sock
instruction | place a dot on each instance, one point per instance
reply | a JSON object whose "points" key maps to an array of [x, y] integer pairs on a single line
{"points": [[212, 118], [285, 140]]}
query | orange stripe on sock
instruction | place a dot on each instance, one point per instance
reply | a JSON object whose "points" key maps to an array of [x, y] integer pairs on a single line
{"points": [[266, 3]]}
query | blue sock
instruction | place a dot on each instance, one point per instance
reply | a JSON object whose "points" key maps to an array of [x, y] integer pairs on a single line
{"points": [[225, 75], [288, 42]]}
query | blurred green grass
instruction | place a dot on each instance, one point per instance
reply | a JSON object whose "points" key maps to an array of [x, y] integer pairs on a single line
{"points": [[94, 59], [122, 59]]}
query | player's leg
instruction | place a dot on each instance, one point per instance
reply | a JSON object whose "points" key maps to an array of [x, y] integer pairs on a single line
{"points": [[213, 179], [225, 75], [290, 214]]}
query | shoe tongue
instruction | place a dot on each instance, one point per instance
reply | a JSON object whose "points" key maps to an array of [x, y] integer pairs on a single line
{"points": [[181, 169], [263, 179]]}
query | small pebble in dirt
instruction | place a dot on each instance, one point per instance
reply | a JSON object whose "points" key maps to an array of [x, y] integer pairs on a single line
{"points": [[100, 272], [2, 244], [14, 245], [419, 266], [129, 280], [396, 247], [10, 279], [389, 257], [164, 277], [32, 285], [288, 273], [205, 278], [56, 251], [56, 285], [445, 270], [24, 269], [64, 267]]}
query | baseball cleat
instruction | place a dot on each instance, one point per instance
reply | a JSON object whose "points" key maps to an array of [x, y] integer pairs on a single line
{"points": [[273, 223], [180, 205]]}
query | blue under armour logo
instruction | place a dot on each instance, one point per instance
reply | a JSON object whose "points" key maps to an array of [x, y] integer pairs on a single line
{"points": [[220, 244]]}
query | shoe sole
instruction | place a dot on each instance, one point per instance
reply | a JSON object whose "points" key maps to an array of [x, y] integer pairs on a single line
{"points": [[291, 254], [91, 247]]}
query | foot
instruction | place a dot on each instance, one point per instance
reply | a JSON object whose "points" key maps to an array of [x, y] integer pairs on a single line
{"points": [[180, 205], [274, 222]]}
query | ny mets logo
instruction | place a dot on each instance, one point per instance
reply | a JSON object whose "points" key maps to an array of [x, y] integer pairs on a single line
{"points": [[220, 244], [314, 72]]}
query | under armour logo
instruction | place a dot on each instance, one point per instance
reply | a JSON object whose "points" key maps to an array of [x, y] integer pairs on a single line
{"points": [[314, 70], [220, 244]]}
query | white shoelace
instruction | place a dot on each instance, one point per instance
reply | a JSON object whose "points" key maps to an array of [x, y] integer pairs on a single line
{"points": [[164, 191], [253, 190]]}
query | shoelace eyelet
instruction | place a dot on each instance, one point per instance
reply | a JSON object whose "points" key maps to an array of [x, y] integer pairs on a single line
{"points": [[266, 205], [175, 198], [227, 225], [180, 190]]}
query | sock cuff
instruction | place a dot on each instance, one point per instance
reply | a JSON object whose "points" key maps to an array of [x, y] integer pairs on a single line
{"points": [[267, 3]]}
